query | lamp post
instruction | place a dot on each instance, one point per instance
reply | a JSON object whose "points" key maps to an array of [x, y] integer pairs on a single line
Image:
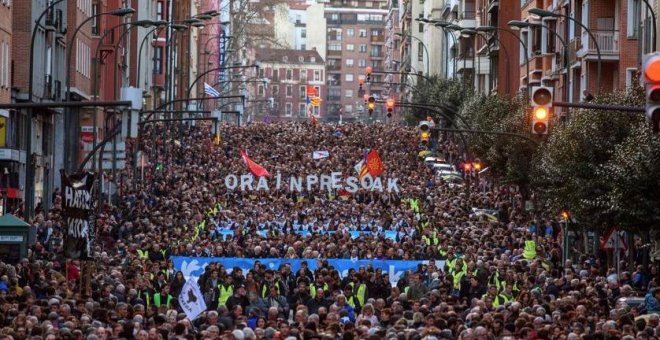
{"points": [[428, 56], [69, 119], [522, 43], [543, 13], [506, 56], [445, 27], [171, 59], [29, 171], [655, 32], [472, 33], [216, 69]]}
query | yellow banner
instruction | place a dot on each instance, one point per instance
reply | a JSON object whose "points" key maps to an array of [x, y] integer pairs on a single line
{"points": [[3, 132]]}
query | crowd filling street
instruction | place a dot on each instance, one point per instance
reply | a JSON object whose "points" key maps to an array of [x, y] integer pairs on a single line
{"points": [[484, 276]]}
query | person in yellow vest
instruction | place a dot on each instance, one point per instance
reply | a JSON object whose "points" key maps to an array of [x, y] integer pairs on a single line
{"points": [[143, 254], [458, 271], [494, 298], [450, 262], [529, 252], [225, 290], [163, 299], [360, 291], [318, 286], [430, 237], [351, 299]]}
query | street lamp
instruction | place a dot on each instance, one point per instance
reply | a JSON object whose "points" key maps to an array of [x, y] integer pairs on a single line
{"points": [[216, 69], [69, 145], [428, 56], [444, 26], [159, 25], [468, 32], [543, 13], [493, 28]]}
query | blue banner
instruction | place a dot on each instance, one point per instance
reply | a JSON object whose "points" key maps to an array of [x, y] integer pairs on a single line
{"points": [[194, 266], [305, 233]]}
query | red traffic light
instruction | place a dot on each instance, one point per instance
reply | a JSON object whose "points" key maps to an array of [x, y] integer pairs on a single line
{"points": [[652, 69], [467, 166], [390, 104], [368, 70]]}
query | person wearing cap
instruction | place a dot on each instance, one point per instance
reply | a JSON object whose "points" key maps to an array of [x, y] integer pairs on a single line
{"points": [[238, 298]]}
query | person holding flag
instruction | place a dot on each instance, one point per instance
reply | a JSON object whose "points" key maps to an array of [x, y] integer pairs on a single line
{"points": [[191, 299]]}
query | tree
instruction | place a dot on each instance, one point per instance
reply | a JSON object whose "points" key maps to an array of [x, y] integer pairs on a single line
{"points": [[447, 95], [568, 170], [634, 176], [508, 157]]}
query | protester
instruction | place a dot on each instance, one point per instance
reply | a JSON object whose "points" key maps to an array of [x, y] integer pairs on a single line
{"points": [[485, 276]]}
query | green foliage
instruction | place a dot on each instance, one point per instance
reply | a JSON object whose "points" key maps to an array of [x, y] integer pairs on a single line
{"points": [[446, 95], [568, 172], [634, 175], [509, 158]]}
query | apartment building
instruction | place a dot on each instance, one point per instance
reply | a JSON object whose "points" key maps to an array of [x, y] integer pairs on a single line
{"points": [[304, 26], [46, 150], [499, 47], [10, 146], [356, 39], [393, 39], [573, 69], [290, 73]]}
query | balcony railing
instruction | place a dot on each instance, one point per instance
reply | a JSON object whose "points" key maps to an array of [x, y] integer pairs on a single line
{"points": [[573, 47], [608, 41], [377, 38]]}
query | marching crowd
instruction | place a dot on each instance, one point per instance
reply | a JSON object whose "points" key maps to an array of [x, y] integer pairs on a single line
{"points": [[484, 276]]}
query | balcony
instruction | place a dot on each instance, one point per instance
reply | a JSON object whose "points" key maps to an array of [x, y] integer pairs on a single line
{"points": [[608, 42], [334, 53], [573, 48], [333, 67], [377, 39]]}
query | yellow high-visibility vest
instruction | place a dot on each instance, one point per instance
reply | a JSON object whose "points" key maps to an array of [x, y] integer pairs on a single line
{"points": [[225, 293], [529, 253]]}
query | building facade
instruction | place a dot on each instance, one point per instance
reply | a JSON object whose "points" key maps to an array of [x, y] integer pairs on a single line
{"points": [[290, 73], [356, 40]]}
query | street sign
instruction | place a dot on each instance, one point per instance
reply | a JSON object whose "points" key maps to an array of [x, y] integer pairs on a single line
{"points": [[612, 238]]}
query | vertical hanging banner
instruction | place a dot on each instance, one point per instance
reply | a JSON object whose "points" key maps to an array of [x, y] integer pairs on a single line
{"points": [[78, 213]]}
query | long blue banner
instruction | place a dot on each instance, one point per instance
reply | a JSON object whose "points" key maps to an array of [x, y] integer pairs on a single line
{"points": [[305, 233], [194, 266]]}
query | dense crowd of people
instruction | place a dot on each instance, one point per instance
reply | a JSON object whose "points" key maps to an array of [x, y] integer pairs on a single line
{"points": [[484, 276]]}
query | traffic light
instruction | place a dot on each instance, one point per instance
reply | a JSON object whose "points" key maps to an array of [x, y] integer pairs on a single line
{"points": [[541, 103], [371, 104], [390, 107], [424, 133], [368, 71], [651, 64]]}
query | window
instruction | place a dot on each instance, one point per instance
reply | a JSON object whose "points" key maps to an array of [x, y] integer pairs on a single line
{"points": [[276, 75], [289, 74], [348, 108], [276, 90], [632, 24], [349, 77], [303, 75], [303, 33], [349, 62], [363, 33], [350, 47], [420, 51], [368, 4], [350, 32], [303, 47], [338, 35], [334, 16], [317, 90], [317, 75], [362, 63], [289, 109], [363, 48], [289, 91], [349, 94], [159, 10], [421, 27], [95, 20], [375, 33], [334, 47], [2, 65], [303, 92], [261, 90], [630, 77], [158, 60], [301, 110]]}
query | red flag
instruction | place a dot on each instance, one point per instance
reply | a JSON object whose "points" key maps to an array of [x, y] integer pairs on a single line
{"points": [[255, 168], [311, 91], [374, 164]]}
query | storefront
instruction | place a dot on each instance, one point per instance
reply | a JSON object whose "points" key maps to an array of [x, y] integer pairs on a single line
{"points": [[14, 239]]}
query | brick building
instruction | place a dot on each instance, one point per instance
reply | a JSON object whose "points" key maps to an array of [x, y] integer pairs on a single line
{"points": [[290, 73], [356, 39]]}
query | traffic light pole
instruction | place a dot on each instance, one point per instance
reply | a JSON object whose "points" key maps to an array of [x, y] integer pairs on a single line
{"points": [[601, 106], [483, 132]]}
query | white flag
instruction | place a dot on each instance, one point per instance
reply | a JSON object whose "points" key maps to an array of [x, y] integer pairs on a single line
{"points": [[358, 166], [210, 91], [191, 299], [320, 154]]}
